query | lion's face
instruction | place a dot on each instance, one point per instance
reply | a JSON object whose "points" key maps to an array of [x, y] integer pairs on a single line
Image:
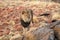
{"points": [[26, 15]]}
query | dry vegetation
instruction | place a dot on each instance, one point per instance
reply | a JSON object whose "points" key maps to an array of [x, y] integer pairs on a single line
{"points": [[10, 27]]}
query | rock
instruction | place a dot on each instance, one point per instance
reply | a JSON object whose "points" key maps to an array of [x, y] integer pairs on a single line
{"points": [[56, 1], [57, 32], [43, 33], [56, 27]]}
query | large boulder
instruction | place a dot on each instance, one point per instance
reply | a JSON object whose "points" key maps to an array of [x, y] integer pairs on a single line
{"points": [[42, 33], [57, 32]]}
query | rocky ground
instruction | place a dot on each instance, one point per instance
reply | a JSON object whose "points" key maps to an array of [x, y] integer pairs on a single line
{"points": [[11, 28]]}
